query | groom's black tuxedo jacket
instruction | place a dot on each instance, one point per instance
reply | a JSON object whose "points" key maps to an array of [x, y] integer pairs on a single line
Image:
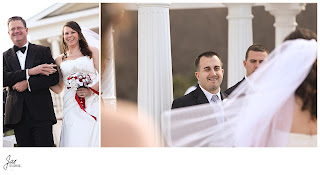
{"points": [[195, 97], [38, 101]]}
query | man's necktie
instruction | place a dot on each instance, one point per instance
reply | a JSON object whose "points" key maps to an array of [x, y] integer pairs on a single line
{"points": [[218, 108], [22, 49]]}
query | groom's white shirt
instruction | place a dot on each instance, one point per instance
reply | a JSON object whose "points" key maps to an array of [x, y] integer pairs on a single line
{"points": [[22, 60], [209, 95]]}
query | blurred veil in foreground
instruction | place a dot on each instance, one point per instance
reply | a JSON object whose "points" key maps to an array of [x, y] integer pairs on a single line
{"points": [[257, 113]]}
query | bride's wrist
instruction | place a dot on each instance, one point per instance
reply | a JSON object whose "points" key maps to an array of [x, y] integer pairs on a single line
{"points": [[91, 92]]}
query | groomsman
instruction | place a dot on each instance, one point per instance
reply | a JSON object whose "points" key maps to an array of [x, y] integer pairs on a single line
{"points": [[28, 73], [255, 55], [209, 73]]}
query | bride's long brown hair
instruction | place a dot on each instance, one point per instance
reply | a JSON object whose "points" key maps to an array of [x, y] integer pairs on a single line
{"points": [[307, 91], [84, 47]]}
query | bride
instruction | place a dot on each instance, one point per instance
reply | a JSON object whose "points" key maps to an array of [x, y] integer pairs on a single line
{"points": [[277, 107], [80, 124], [303, 130]]}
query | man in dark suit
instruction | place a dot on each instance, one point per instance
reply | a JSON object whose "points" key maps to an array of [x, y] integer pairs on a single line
{"points": [[28, 71], [255, 55], [209, 73]]}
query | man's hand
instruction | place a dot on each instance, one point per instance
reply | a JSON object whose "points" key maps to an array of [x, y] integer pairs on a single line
{"points": [[44, 69], [21, 86]]}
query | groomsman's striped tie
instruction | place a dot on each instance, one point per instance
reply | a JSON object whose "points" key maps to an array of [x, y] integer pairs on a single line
{"points": [[218, 108]]}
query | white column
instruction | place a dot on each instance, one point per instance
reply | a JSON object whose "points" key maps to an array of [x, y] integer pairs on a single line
{"points": [[37, 42], [155, 88], [56, 98], [55, 46], [239, 39], [108, 84], [285, 18]]}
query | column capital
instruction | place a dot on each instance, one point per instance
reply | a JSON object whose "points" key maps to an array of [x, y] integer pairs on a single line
{"points": [[277, 9], [55, 46], [285, 18], [54, 38], [38, 42], [239, 10]]}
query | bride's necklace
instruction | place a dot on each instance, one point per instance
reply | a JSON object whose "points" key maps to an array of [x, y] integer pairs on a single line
{"points": [[74, 54]]}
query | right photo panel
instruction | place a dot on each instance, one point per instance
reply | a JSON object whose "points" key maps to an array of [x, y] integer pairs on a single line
{"points": [[209, 75]]}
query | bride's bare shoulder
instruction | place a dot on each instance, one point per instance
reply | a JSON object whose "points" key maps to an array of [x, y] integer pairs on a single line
{"points": [[94, 49], [58, 60]]}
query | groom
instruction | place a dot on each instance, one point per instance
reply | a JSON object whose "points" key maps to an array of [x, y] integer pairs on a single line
{"points": [[28, 72], [209, 73]]}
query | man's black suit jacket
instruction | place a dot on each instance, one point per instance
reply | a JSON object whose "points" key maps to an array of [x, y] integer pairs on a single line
{"points": [[38, 101], [195, 97], [229, 90]]}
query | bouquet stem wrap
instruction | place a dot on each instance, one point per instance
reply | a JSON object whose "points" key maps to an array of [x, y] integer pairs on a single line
{"points": [[82, 102], [77, 80]]}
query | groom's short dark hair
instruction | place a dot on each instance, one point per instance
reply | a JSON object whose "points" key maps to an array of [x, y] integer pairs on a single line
{"points": [[17, 18], [208, 54]]}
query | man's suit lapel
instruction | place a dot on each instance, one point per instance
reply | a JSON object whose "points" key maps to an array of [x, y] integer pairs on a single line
{"points": [[13, 60], [223, 95], [30, 56], [199, 96]]}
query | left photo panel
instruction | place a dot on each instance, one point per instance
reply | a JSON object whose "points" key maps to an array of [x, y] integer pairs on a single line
{"points": [[51, 76]]}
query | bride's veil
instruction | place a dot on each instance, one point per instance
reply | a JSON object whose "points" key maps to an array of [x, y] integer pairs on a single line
{"points": [[257, 113], [91, 37]]}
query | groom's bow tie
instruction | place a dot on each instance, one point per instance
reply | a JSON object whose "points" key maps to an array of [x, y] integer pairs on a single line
{"points": [[22, 49]]}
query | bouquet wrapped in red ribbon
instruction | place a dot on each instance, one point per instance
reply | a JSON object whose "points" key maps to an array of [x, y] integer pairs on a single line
{"points": [[78, 80]]}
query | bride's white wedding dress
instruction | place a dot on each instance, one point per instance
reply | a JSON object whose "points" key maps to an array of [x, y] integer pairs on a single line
{"points": [[302, 140], [79, 129]]}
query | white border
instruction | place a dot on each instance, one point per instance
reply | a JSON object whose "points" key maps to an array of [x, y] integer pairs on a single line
{"points": [[162, 161]]}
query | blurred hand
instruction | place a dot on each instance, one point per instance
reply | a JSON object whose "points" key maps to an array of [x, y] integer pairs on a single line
{"points": [[83, 92], [21, 86], [44, 69]]}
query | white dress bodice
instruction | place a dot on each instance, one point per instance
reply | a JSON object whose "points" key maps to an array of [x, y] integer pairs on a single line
{"points": [[82, 64]]}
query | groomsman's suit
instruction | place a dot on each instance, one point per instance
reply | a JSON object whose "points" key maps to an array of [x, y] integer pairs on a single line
{"points": [[230, 90], [195, 97], [255, 55], [32, 111]]}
